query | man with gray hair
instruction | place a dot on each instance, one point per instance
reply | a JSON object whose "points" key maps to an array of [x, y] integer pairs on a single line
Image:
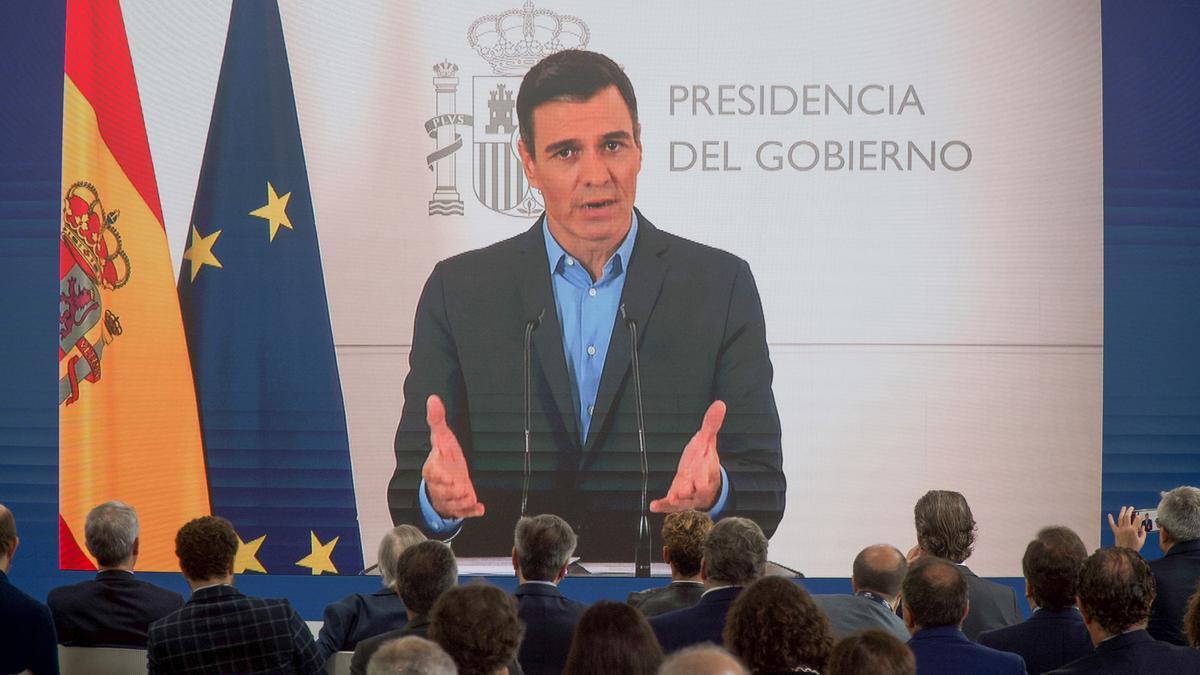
{"points": [[702, 660], [542, 547], [411, 655], [734, 554], [115, 609], [1178, 571]]}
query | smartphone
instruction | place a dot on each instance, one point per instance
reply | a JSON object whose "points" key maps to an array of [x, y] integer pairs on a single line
{"points": [[1150, 521]]}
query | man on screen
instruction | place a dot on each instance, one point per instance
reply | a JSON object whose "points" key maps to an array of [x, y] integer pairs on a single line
{"points": [[590, 269]]}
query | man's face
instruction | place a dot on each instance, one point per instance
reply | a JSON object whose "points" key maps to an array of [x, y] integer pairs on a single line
{"points": [[586, 164]]}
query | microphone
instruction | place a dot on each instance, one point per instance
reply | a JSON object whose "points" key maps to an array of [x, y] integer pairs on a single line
{"points": [[641, 554], [368, 570], [530, 326]]}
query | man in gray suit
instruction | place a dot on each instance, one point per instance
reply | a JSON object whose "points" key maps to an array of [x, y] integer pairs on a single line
{"points": [[875, 584]]}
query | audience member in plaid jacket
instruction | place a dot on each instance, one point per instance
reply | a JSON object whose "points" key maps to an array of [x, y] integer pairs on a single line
{"points": [[220, 630]]}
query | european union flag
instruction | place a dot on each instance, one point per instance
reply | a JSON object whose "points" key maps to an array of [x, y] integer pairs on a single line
{"points": [[257, 322]]}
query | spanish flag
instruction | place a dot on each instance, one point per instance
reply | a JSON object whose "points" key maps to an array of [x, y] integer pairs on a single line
{"points": [[128, 423]]}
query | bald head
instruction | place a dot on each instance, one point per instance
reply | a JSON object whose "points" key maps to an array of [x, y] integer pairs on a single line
{"points": [[702, 660], [879, 569], [8, 536]]}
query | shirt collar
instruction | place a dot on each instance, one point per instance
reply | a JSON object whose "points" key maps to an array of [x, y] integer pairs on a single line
{"points": [[557, 255]]}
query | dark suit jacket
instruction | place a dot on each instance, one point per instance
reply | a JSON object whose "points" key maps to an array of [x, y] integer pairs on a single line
{"points": [[1176, 575], [1046, 640], [851, 613], [549, 619], [992, 605], [360, 616], [26, 633], [1135, 653], [703, 622], [702, 337], [114, 610], [419, 626], [222, 631], [946, 650], [673, 596]]}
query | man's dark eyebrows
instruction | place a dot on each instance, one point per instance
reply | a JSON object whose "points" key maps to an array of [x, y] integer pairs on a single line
{"points": [[618, 136]]}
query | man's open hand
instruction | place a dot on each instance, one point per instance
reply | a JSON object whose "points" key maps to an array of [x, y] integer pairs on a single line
{"points": [[697, 481], [447, 481], [1127, 528]]}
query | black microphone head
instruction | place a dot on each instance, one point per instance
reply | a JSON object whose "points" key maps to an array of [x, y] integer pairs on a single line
{"points": [[628, 319], [536, 321]]}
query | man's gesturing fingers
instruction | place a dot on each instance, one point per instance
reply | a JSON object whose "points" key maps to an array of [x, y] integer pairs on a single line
{"points": [[447, 479], [697, 481]]}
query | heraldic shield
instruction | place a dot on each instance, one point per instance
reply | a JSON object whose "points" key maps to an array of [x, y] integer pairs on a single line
{"points": [[498, 177]]}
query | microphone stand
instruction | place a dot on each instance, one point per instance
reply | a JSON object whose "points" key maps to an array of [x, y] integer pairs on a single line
{"points": [[641, 554], [530, 326]]}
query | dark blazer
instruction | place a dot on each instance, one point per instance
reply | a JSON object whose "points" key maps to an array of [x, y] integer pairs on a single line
{"points": [[702, 337], [992, 605], [222, 631], [1046, 640], [673, 596], [26, 633], [1176, 575], [419, 626], [114, 610], [851, 613], [1135, 653], [946, 650], [549, 619], [703, 622], [359, 616]]}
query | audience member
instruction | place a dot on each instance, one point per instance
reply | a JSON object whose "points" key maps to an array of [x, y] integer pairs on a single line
{"points": [[875, 584], [1116, 590], [871, 652], [735, 554], [1191, 620], [115, 609], [1054, 634], [411, 655], [935, 603], [704, 659], [359, 616], [683, 534], [26, 629], [775, 627], [422, 573], [478, 627], [1177, 572], [219, 629], [612, 637], [946, 529], [542, 547]]}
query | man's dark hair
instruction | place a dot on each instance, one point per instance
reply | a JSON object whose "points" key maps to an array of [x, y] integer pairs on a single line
{"points": [[478, 627], [423, 572], [8, 531], [871, 652], [206, 548], [880, 568], [1116, 588], [935, 592], [1051, 566], [945, 526], [612, 637], [570, 75], [683, 533], [544, 544], [735, 551], [799, 633]]}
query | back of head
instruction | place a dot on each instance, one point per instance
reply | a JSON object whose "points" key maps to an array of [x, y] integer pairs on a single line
{"points": [[1191, 620], [702, 660], [945, 526], [935, 592], [612, 637], [206, 547], [411, 655], [110, 531], [1051, 566], [735, 552], [1179, 513], [871, 652], [569, 75], [799, 634], [478, 627], [880, 569], [424, 572], [683, 534], [544, 544], [391, 546], [8, 532], [1116, 588]]}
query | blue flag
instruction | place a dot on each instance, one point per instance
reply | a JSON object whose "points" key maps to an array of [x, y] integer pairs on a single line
{"points": [[257, 322]]}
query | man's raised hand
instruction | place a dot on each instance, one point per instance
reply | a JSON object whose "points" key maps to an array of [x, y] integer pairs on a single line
{"points": [[447, 481], [697, 481]]}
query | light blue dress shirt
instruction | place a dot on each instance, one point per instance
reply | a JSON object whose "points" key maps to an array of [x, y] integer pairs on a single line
{"points": [[587, 310]]}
